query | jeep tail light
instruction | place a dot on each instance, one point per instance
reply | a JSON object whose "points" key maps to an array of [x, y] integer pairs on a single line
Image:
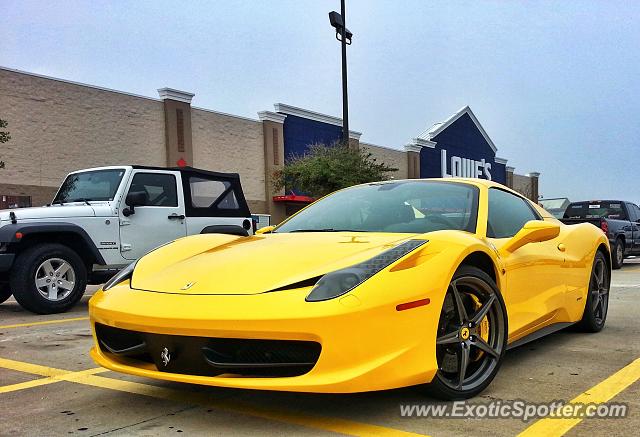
{"points": [[604, 226]]}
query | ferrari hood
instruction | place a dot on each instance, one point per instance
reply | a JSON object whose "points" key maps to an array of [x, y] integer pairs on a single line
{"points": [[223, 264]]}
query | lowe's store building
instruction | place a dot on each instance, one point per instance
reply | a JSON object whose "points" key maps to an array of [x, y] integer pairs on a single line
{"points": [[80, 126]]}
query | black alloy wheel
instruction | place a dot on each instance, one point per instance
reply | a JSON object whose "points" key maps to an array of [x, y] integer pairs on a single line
{"points": [[597, 304], [472, 336]]}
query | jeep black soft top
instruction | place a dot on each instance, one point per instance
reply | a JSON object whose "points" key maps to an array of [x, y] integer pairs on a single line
{"points": [[213, 210]]}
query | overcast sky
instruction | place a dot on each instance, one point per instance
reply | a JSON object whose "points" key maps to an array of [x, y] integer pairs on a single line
{"points": [[555, 84]]}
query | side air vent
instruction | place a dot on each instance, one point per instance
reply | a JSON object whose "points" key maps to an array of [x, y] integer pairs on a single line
{"points": [[301, 284]]}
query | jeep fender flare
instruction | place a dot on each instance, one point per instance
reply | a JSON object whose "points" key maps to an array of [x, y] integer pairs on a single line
{"points": [[10, 233]]}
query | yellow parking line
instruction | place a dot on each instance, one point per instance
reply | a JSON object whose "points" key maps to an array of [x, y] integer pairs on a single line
{"points": [[48, 322], [69, 376], [603, 392], [34, 369], [342, 426], [27, 384]]}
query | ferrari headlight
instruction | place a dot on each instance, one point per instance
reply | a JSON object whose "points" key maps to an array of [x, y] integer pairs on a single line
{"points": [[340, 282], [122, 275]]}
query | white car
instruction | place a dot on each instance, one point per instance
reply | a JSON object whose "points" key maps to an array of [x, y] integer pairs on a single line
{"points": [[101, 220]]}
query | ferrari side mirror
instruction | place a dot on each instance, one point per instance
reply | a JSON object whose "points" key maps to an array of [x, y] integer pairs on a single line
{"points": [[534, 231], [265, 230]]}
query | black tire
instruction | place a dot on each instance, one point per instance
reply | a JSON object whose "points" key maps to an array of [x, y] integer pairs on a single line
{"points": [[597, 302], [30, 263], [5, 292], [460, 335], [617, 254]]}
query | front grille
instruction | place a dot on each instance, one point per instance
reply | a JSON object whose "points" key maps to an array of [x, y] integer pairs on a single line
{"points": [[205, 356]]}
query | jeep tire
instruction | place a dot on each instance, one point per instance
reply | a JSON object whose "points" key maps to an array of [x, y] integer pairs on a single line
{"points": [[48, 278]]}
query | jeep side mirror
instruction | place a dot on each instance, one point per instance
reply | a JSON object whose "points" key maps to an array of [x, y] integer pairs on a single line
{"points": [[534, 231], [134, 198]]}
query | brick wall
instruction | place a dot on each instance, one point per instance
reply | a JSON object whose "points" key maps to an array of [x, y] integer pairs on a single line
{"points": [[522, 184], [39, 195], [394, 158], [57, 127], [227, 143]]}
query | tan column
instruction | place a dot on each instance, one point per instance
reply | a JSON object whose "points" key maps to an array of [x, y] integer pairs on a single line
{"points": [[354, 139], [509, 171], [413, 160], [177, 126], [534, 179], [273, 134]]}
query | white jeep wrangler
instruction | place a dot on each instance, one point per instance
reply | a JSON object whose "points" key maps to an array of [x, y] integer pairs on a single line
{"points": [[102, 219]]}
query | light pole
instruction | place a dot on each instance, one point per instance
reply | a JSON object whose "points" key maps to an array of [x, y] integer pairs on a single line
{"points": [[343, 35]]}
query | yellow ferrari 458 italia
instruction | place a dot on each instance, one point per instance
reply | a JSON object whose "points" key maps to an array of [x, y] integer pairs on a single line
{"points": [[377, 286]]}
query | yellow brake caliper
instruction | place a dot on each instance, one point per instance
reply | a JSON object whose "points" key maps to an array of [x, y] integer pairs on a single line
{"points": [[483, 330]]}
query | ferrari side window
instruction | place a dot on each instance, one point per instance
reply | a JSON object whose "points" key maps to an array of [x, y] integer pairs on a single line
{"points": [[507, 214]]}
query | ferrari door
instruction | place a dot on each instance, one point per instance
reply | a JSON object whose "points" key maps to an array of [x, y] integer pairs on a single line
{"points": [[535, 290]]}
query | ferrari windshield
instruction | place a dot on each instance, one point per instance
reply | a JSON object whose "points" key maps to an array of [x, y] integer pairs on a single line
{"points": [[91, 185], [402, 207]]}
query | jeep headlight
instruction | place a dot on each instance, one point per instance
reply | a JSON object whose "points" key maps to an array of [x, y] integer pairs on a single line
{"points": [[342, 281], [122, 275]]}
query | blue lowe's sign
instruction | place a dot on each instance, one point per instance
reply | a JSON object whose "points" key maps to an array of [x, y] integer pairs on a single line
{"points": [[459, 147]]}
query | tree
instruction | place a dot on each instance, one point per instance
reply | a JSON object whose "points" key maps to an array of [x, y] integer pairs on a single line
{"points": [[4, 136], [324, 169]]}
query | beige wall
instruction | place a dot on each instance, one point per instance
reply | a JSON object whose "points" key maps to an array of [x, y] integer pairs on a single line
{"points": [[57, 127], [231, 144], [392, 157]]}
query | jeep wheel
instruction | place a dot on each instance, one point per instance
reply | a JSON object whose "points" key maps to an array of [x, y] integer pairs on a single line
{"points": [[5, 291], [48, 278]]}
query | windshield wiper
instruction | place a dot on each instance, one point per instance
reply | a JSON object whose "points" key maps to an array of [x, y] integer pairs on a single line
{"points": [[326, 230], [81, 200]]}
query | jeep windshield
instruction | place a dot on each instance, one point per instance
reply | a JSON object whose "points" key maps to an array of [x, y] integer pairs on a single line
{"points": [[94, 185], [399, 207]]}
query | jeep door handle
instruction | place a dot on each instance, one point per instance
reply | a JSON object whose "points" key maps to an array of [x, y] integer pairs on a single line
{"points": [[176, 217]]}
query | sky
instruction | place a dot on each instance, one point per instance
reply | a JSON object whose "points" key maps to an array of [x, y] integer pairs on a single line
{"points": [[556, 85]]}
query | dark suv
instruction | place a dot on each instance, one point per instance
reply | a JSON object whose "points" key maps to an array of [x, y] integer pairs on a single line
{"points": [[619, 220]]}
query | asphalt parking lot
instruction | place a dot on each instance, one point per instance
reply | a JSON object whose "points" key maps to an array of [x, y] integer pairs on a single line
{"points": [[50, 386]]}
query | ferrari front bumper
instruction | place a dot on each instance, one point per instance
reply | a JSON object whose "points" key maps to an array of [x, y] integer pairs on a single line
{"points": [[361, 347]]}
